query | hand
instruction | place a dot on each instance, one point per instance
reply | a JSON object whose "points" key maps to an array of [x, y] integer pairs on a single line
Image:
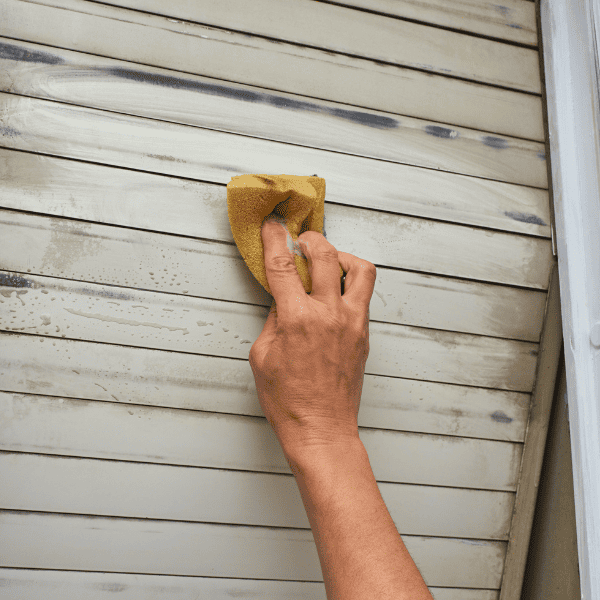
{"points": [[309, 360]]}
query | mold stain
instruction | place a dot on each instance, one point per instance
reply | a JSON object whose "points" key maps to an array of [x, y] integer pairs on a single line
{"points": [[381, 297], [541, 155], [501, 417], [441, 132], [495, 142], [112, 587], [10, 132], [524, 217], [15, 281], [12, 52], [358, 117]]}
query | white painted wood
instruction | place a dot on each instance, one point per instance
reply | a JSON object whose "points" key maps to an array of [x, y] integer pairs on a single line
{"points": [[113, 488], [426, 246], [157, 41], [138, 143], [98, 82], [88, 311], [44, 184], [26, 584], [363, 34], [571, 36], [181, 437], [55, 541], [512, 20], [62, 367], [60, 188]]}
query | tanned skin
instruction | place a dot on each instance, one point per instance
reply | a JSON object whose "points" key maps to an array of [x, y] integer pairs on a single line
{"points": [[309, 364]]}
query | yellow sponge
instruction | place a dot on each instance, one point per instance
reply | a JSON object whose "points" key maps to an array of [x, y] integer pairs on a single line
{"points": [[297, 202]]}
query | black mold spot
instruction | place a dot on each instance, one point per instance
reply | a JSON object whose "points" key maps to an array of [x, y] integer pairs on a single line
{"points": [[514, 26], [524, 218], [10, 132], [105, 294], [502, 9], [501, 417], [112, 587], [541, 155], [15, 281], [362, 118], [227, 168], [281, 102], [441, 132], [185, 84], [495, 142], [12, 52]]}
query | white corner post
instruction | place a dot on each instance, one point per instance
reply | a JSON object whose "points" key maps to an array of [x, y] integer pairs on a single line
{"points": [[571, 39]]}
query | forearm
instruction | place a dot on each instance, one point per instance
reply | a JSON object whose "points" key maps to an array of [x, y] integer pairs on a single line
{"points": [[362, 555]]}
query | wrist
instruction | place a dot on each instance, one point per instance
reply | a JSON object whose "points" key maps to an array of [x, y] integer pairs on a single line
{"points": [[323, 463]]}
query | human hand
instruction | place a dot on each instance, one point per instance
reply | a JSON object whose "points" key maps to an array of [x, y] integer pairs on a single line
{"points": [[309, 360]]}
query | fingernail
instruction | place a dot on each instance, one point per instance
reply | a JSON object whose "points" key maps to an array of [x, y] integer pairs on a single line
{"points": [[273, 217]]}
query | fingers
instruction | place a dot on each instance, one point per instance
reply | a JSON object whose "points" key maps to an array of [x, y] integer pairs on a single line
{"points": [[284, 281], [323, 265], [360, 279]]}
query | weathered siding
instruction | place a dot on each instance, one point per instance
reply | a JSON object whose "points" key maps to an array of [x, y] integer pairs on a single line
{"points": [[134, 456]]}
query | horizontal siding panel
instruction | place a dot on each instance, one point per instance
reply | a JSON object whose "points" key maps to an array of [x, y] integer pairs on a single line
{"points": [[25, 584], [160, 42], [123, 489], [88, 311], [61, 367], [69, 427], [119, 86], [513, 20], [138, 143], [43, 184], [362, 34], [51, 541], [383, 239]]}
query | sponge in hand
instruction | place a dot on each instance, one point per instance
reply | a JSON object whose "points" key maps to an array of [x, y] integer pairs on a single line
{"points": [[296, 202]]}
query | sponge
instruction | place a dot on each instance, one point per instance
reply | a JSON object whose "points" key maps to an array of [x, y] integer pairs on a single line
{"points": [[297, 202]]}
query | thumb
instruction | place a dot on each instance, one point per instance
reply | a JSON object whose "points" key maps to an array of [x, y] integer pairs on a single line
{"points": [[280, 267]]}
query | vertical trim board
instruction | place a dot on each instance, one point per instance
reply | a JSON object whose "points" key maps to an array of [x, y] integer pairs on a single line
{"points": [[571, 41], [535, 443]]}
